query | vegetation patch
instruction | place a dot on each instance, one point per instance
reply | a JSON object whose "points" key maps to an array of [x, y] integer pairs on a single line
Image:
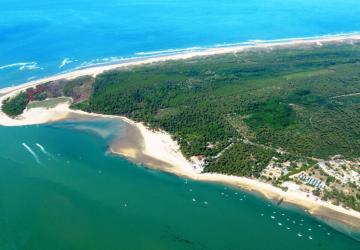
{"points": [[243, 160], [273, 114], [16, 105], [49, 103], [278, 99]]}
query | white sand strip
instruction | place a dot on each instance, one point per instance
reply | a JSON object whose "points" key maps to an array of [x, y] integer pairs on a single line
{"points": [[93, 71]]}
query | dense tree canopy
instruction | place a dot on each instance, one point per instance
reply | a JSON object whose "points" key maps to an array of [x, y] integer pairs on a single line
{"points": [[16, 105], [276, 98]]}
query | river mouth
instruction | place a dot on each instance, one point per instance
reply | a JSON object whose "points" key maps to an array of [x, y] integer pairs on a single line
{"points": [[82, 196]]}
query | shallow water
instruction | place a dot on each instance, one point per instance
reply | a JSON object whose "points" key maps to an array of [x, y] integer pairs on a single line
{"points": [[80, 197], [60, 189], [40, 38]]}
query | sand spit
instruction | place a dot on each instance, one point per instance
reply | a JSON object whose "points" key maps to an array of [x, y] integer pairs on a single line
{"points": [[157, 149]]}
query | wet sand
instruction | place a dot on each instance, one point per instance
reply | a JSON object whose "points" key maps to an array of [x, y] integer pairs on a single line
{"points": [[131, 146]]}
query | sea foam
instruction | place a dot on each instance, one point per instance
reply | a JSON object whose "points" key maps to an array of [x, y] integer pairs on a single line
{"points": [[21, 66]]}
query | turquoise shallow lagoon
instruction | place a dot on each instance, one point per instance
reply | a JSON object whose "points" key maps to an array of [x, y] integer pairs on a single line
{"points": [[74, 195]]}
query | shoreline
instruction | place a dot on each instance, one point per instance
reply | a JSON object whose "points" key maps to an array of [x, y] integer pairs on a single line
{"points": [[157, 149], [155, 143], [211, 51]]}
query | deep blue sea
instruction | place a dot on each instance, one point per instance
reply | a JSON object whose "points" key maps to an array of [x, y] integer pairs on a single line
{"points": [[43, 37]]}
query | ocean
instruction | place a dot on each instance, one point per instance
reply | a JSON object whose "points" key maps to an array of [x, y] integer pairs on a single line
{"points": [[42, 38], [61, 189], [59, 186]]}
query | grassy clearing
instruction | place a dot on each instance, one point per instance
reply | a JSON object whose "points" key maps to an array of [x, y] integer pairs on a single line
{"points": [[49, 103]]}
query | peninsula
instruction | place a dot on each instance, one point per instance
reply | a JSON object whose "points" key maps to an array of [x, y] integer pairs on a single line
{"points": [[279, 118]]}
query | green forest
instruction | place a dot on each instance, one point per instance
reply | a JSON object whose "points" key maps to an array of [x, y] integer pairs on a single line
{"points": [[16, 105], [240, 109], [277, 98]]}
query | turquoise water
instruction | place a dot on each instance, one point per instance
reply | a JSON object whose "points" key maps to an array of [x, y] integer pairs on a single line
{"points": [[41, 34], [60, 189], [77, 196]]}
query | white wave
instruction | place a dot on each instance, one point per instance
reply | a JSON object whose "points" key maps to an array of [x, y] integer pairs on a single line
{"points": [[169, 51], [102, 61], [44, 150], [66, 61], [108, 61], [32, 153], [139, 56], [224, 45], [31, 78], [283, 40], [22, 66], [30, 67], [154, 54], [12, 65]]}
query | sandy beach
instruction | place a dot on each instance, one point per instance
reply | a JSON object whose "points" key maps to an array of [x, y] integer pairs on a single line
{"points": [[163, 153], [96, 70], [157, 149]]}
